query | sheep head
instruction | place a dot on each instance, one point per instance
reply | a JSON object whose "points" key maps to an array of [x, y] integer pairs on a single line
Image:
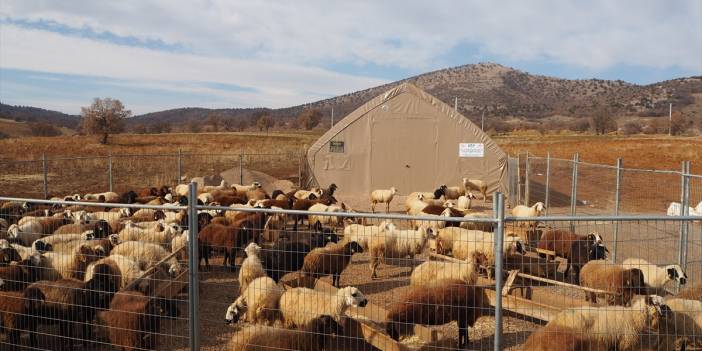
{"points": [[174, 269], [393, 190], [539, 207], [114, 239], [125, 212], [676, 273], [252, 250], [352, 297], [41, 246], [235, 311], [595, 238], [87, 235], [4, 244], [13, 231]]}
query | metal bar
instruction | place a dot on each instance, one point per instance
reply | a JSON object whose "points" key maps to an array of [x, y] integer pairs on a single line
{"points": [[526, 179], [193, 289], [617, 196], [519, 178], [299, 170], [241, 168], [601, 218], [45, 168], [684, 211], [109, 171], [93, 204], [499, 206], [547, 203], [574, 189], [180, 167]]}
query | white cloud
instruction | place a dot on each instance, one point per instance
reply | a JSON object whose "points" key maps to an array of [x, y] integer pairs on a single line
{"points": [[412, 34]]}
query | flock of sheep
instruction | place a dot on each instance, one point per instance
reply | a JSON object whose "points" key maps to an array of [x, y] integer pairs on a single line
{"points": [[83, 266]]}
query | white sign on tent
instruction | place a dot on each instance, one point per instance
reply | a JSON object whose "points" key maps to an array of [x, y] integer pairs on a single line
{"points": [[471, 150]]}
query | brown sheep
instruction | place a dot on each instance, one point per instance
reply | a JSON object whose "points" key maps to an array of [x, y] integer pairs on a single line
{"points": [[17, 311], [577, 249], [304, 205], [132, 322], [559, 338], [440, 302], [330, 260], [314, 337], [691, 293], [602, 275], [16, 276], [230, 238]]}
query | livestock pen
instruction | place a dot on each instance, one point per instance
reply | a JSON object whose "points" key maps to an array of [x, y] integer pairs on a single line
{"points": [[509, 282]]}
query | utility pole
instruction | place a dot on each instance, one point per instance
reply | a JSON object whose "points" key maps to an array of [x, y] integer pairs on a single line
{"points": [[670, 119], [332, 117], [482, 121], [455, 104]]}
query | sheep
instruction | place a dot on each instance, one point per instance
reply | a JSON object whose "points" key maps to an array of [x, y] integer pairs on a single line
{"points": [[577, 249], [691, 293], [657, 277], [102, 247], [304, 205], [156, 236], [226, 198], [475, 225], [382, 196], [330, 260], [26, 233], [260, 301], [332, 220], [446, 237], [109, 216], [300, 306], [314, 337], [426, 197], [47, 243], [147, 255], [439, 212], [231, 238], [179, 243], [559, 338], [132, 321], [474, 241], [438, 303], [477, 185], [535, 210], [72, 301], [615, 327], [600, 274], [48, 224], [362, 234], [307, 194], [243, 189], [147, 214], [126, 270], [103, 197], [73, 265], [8, 254], [100, 228], [454, 192], [251, 268], [17, 275], [465, 202], [686, 321], [17, 311], [285, 257], [396, 243], [466, 272]]}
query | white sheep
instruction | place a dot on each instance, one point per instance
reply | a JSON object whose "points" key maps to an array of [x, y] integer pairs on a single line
{"points": [[108, 216], [382, 196], [243, 189], [59, 265], [474, 225], [465, 202], [26, 233], [54, 239], [686, 321], [454, 192], [483, 242], [477, 185], [223, 185], [3, 228], [394, 243], [445, 238], [332, 220], [299, 306], [305, 194], [180, 241], [616, 327], [362, 234], [656, 277], [129, 269], [415, 203], [182, 189], [164, 236], [260, 302], [147, 255], [535, 210], [675, 209], [436, 270], [109, 196], [24, 251], [252, 267]]}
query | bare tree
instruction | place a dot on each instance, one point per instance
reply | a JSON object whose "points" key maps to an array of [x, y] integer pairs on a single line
{"points": [[309, 119], [104, 117], [603, 121], [264, 122]]}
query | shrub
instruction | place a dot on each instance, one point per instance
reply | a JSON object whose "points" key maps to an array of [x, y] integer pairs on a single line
{"points": [[44, 129]]}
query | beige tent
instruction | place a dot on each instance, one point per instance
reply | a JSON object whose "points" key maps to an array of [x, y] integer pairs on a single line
{"points": [[408, 139]]}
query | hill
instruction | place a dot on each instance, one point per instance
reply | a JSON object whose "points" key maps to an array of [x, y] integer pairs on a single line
{"points": [[35, 115], [498, 90]]}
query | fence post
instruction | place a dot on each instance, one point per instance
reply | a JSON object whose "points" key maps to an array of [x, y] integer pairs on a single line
{"points": [[300, 160], [193, 288], [180, 167], [109, 170], [498, 205], [519, 178], [548, 180], [574, 189], [45, 167], [241, 168], [684, 211], [526, 179], [617, 195]]}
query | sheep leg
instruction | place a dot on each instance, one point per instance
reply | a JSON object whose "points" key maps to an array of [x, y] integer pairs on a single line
{"points": [[373, 207], [374, 266], [462, 333], [335, 280], [14, 337], [387, 207]]}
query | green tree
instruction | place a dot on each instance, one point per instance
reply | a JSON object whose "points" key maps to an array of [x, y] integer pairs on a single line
{"points": [[104, 117]]}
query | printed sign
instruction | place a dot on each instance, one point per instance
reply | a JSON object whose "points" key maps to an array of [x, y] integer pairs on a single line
{"points": [[471, 150], [336, 146]]}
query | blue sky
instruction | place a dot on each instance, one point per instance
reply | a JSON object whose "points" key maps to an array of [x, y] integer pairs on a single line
{"points": [[162, 54]]}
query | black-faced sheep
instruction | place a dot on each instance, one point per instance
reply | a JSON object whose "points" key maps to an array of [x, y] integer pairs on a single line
{"points": [[18, 275], [314, 337], [383, 196], [330, 260], [300, 306], [657, 278], [251, 268], [602, 275], [8, 254], [260, 303], [484, 242], [17, 314], [438, 303], [577, 249], [426, 197], [125, 269], [286, 257]]}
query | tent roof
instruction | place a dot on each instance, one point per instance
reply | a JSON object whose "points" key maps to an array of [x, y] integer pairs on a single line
{"points": [[408, 88]]}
